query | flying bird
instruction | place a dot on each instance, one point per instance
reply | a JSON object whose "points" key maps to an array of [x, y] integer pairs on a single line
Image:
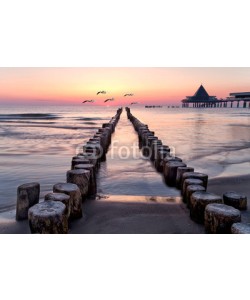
{"points": [[129, 95], [90, 101], [134, 103], [101, 92], [110, 99]]}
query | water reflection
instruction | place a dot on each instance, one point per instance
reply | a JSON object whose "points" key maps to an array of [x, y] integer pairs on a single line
{"points": [[139, 198], [207, 139]]}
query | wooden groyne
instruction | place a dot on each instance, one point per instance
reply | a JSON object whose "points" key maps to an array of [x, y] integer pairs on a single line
{"points": [[216, 213], [201, 99], [64, 203]]}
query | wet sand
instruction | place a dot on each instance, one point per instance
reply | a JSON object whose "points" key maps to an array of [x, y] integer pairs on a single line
{"points": [[120, 214], [9, 225], [239, 184], [124, 214], [114, 216]]}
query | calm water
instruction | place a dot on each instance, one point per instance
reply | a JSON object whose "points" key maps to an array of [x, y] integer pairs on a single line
{"points": [[37, 144]]}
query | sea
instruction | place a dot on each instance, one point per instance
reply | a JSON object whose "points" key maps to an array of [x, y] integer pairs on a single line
{"points": [[37, 143]]}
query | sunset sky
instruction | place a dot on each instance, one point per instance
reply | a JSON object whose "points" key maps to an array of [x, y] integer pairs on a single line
{"points": [[149, 85]]}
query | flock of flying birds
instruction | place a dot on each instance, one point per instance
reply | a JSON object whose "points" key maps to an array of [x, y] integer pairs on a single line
{"points": [[109, 99]]}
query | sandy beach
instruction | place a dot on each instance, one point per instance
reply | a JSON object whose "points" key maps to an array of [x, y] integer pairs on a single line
{"points": [[137, 214], [239, 184], [119, 214]]}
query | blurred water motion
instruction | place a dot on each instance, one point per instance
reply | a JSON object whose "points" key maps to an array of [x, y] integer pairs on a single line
{"points": [[37, 143]]}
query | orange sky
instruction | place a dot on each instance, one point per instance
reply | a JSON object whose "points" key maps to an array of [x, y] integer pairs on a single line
{"points": [[149, 85]]}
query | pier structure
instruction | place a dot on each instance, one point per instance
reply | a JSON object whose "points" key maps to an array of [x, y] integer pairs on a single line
{"points": [[201, 99], [243, 97]]}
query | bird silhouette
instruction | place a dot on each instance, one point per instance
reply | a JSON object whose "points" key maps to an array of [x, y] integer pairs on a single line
{"points": [[90, 101], [134, 103], [129, 95], [110, 99], [101, 92]]}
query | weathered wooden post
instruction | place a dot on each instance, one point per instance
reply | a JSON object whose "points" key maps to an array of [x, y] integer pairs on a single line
{"points": [[48, 217], [145, 136], [167, 159], [96, 139], [180, 172], [90, 160], [146, 150], [190, 189], [140, 135], [81, 178], [236, 200], [161, 153], [220, 217], [195, 175], [108, 125], [78, 161], [105, 138], [198, 203], [186, 183], [154, 145], [75, 197], [27, 196], [170, 171], [240, 228], [65, 199], [92, 181]]}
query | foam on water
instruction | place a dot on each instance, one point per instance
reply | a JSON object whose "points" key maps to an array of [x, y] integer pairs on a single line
{"points": [[31, 116]]}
